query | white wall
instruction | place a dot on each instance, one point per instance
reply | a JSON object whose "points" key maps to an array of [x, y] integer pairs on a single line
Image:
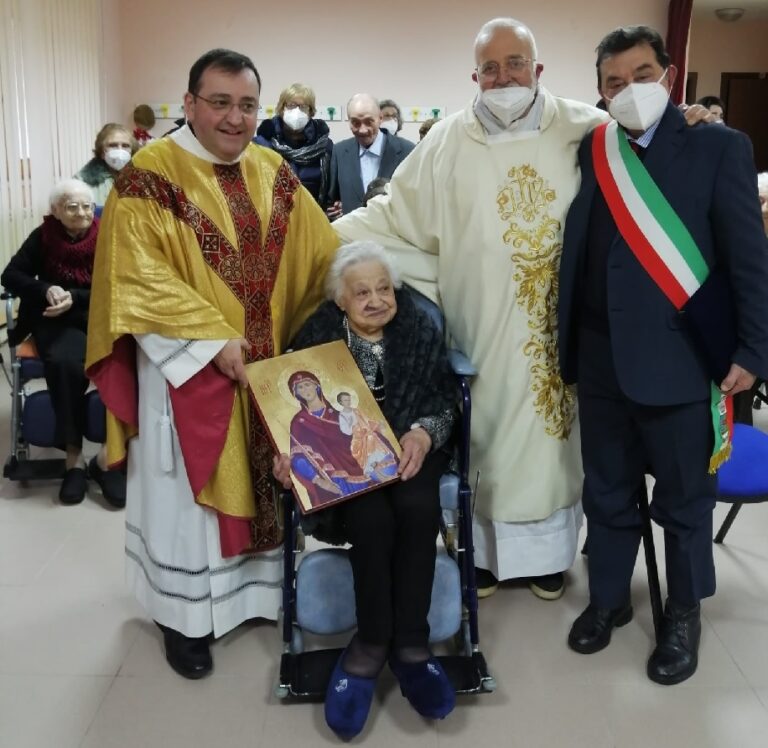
{"points": [[414, 52], [717, 47]]}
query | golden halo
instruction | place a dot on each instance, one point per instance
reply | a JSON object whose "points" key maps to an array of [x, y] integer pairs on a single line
{"points": [[336, 391], [286, 374]]}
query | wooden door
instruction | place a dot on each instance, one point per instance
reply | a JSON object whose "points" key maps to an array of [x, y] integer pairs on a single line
{"points": [[745, 96]]}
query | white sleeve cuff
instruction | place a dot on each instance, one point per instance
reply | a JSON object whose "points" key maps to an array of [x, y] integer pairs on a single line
{"points": [[178, 360]]}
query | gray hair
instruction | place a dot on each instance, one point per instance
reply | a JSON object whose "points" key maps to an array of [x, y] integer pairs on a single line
{"points": [[352, 254], [762, 183], [67, 188], [490, 27]]}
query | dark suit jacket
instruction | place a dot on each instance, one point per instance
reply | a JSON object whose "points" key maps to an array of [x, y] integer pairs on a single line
{"points": [[707, 174], [346, 179]]}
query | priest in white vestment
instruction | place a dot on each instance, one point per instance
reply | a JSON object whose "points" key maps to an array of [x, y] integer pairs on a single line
{"points": [[475, 217]]}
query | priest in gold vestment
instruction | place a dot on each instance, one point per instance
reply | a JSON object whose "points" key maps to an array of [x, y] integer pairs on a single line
{"points": [[211, 255], [475, 218]]}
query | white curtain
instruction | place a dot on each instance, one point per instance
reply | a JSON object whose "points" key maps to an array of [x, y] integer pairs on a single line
{"points": [[50, 105]]}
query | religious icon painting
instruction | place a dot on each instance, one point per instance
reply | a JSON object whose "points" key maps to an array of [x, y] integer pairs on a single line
{"points": [[318, 409]]}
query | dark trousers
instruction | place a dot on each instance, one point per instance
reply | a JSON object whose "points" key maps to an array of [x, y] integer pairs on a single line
{"points": [[393, 532], [621, 442], [61, 345]]}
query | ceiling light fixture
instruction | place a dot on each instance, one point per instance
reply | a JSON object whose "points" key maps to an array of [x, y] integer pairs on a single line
{"points": [[729, 14]]}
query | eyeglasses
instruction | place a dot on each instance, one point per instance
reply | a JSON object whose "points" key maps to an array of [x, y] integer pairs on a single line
{"points": [[72, 209], [489, 71], [224, 104]]}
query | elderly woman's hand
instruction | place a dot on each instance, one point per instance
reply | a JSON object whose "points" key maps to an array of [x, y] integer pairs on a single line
{"points": [[281, 469], [58, 303], [416, 445]]}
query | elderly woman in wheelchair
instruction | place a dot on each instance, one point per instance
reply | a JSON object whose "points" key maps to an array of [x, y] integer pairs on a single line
{"points": [[392, 530], [51, 275]]}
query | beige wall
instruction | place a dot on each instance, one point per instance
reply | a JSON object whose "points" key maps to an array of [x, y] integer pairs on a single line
{"points": [[416, 52], [112, 66], [718, 47]]}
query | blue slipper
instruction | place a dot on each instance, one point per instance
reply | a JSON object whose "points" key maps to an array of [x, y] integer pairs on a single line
{"points": [[348, 701], [426, 686]]}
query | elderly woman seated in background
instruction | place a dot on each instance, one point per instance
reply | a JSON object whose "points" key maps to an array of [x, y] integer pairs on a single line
{"points": [[301, 140], [393, 529], [112, 150], [51, 274]]}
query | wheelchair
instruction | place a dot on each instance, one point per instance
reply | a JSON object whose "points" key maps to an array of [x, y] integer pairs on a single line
{"points": [[318, 596], [33, 422]]}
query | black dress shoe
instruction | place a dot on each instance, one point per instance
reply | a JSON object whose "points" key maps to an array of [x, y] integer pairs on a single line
{"points": [[111, 482], [486, 582], [676, 656], [73, 486], [189, 657], [591, 631]]}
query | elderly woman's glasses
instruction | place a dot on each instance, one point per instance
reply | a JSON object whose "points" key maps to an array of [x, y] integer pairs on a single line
{"points": [[489, 71], [72, 209], [223, 104]]}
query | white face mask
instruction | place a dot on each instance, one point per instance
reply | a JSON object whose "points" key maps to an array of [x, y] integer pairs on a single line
{"points": [[390, 125], [639, 105], [295, 119], [510, 103], [117, 158]]}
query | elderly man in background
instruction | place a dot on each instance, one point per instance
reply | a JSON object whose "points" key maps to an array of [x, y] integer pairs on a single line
{"points": [[475, 217], [210, 251], [357, 161]]}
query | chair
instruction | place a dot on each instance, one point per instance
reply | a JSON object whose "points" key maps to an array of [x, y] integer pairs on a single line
{"points": [[319, 596], [744, 478], [33, 422]]}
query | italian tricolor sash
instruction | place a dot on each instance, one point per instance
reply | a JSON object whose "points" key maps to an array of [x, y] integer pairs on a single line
{"points": [[660, 242]]}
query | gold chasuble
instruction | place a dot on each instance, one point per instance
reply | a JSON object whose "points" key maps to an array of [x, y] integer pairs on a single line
{"points": [[194, 250]]}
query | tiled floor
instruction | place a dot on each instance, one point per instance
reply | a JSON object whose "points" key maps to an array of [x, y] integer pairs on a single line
{"points": [[80, 665]]}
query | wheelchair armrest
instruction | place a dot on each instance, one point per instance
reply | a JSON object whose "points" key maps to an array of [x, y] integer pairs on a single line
{"points": [[6, 295], [460, 364]]}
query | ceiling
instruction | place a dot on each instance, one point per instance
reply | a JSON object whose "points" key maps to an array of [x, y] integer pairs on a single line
{"points": [[754, 9]]}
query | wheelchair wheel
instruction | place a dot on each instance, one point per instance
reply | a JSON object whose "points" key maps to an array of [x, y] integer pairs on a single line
{"points": [[488, 684], [281, 691]]}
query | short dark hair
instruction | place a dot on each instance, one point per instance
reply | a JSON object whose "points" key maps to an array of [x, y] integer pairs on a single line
{"points": [[626, 37], [708, 101], [340, 395], [221, 59]]}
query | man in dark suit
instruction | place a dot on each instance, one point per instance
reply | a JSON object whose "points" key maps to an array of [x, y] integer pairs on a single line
{"points": [[357, 161], [645, 393]]}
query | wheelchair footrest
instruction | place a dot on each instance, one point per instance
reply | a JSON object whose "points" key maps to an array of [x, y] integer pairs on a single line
{"points": [[26, 470], [467, 674], [306, 675]]}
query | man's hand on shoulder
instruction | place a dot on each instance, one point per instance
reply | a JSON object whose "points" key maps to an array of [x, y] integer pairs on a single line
{"points": [[696, 113], [229, 360]]}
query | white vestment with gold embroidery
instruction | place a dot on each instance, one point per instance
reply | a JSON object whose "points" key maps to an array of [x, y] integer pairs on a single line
{"points": [[476, 223]]}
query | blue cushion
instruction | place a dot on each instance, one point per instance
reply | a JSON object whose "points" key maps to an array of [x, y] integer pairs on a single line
{"points": [[325, 592], [31, 368], [325, 595], [38, 425], [95, 418], [449, 492], [445, 610], [745, 476]]}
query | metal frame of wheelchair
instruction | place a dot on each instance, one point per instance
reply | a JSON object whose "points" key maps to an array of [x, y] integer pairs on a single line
{"points": [[304, 675], [32, 418]]}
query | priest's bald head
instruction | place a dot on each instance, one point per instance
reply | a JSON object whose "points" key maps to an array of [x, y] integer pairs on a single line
{"points": [[505, 55]]}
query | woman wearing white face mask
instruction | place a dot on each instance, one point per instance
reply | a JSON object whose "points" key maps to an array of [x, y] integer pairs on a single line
{"points": [[300, 139], [112, 150]]}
